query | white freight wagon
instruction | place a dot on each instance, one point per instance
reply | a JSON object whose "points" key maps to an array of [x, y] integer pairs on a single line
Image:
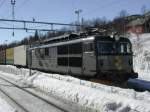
{"points": [[20, 55]]}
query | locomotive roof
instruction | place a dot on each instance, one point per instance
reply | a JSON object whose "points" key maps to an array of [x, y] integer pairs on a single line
{"points": [[88, 38], [112, 39], [62, 37], [66, 42]]}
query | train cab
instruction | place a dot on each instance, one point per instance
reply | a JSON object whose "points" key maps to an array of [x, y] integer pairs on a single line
{"points": [[114, 58]]}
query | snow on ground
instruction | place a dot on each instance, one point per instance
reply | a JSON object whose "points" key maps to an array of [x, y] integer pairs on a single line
{"points": [[141, 49], [5, 107], [92, 95]]}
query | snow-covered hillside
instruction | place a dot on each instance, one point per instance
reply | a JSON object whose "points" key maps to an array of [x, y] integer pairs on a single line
{"points": [[141, 49]]}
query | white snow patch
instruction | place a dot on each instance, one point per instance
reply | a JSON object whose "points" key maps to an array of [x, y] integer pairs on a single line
{"points": [[92, 95], [5, 107], [141, 49]]}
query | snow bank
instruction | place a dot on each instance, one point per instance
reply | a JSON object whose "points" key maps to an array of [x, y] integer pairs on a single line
{"points": [[92, 95], [5, 107], [141, 49]]}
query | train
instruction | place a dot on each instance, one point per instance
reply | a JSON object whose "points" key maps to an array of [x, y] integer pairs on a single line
{"points": [[81, 55]]}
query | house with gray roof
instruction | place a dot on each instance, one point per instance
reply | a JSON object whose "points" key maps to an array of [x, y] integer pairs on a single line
{"points": [[139, 25]]}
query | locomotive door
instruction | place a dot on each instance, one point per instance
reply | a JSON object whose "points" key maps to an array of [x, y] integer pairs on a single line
{"points": [[89, 59]]}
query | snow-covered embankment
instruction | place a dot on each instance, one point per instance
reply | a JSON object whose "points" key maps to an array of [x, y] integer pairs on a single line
{"points": [[141, 49], [95, 96]]}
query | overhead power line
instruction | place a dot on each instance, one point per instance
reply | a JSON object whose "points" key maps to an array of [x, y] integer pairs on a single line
{"points": [[9, 28], [25, 23], [38, 22]]}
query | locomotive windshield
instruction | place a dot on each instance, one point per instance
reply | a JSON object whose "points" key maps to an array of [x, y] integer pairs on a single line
{"points": [[106, 47], [124, 47], [109, 47]]}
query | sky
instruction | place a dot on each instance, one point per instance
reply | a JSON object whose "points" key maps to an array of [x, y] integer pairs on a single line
{"points": [[62, 11]]}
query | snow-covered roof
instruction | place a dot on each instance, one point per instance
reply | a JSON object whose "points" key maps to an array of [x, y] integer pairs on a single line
{"points": [[139, 21]]}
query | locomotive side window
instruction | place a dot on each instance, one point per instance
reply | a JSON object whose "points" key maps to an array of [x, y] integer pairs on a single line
{"points": [[62, 49], [62, 61], [46, 51], [106, 47], [75, 61], [75, 48], [88, 47]]}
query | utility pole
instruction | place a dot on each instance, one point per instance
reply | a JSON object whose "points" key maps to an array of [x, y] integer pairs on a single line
{"points": [[13, 13], [78, 17]]}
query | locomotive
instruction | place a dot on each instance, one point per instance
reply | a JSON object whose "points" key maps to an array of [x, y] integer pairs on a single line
{"points": [[82, 55]]}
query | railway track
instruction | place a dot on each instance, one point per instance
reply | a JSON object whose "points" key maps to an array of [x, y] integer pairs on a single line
{"points": [[21, 108], [25, 107]]}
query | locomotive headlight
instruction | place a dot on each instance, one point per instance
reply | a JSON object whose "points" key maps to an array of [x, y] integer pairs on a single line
{"points": [[117, 37], [118, 63]]}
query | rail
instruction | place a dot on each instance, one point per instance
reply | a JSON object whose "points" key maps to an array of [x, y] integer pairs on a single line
{"points": [[46, 101]]}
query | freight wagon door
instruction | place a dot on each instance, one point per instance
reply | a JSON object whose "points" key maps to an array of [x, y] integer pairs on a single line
{"points": [[89, 59]]}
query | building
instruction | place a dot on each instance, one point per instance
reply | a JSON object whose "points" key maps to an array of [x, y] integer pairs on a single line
{"points": [[139, 25]]}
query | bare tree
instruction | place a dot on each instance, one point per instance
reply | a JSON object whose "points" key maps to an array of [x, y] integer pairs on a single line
{"points": [[123, 13], [143, 9]]}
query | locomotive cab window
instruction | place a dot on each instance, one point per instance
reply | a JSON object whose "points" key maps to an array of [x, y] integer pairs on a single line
{"points": [[124, 48], [107, 47]]}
